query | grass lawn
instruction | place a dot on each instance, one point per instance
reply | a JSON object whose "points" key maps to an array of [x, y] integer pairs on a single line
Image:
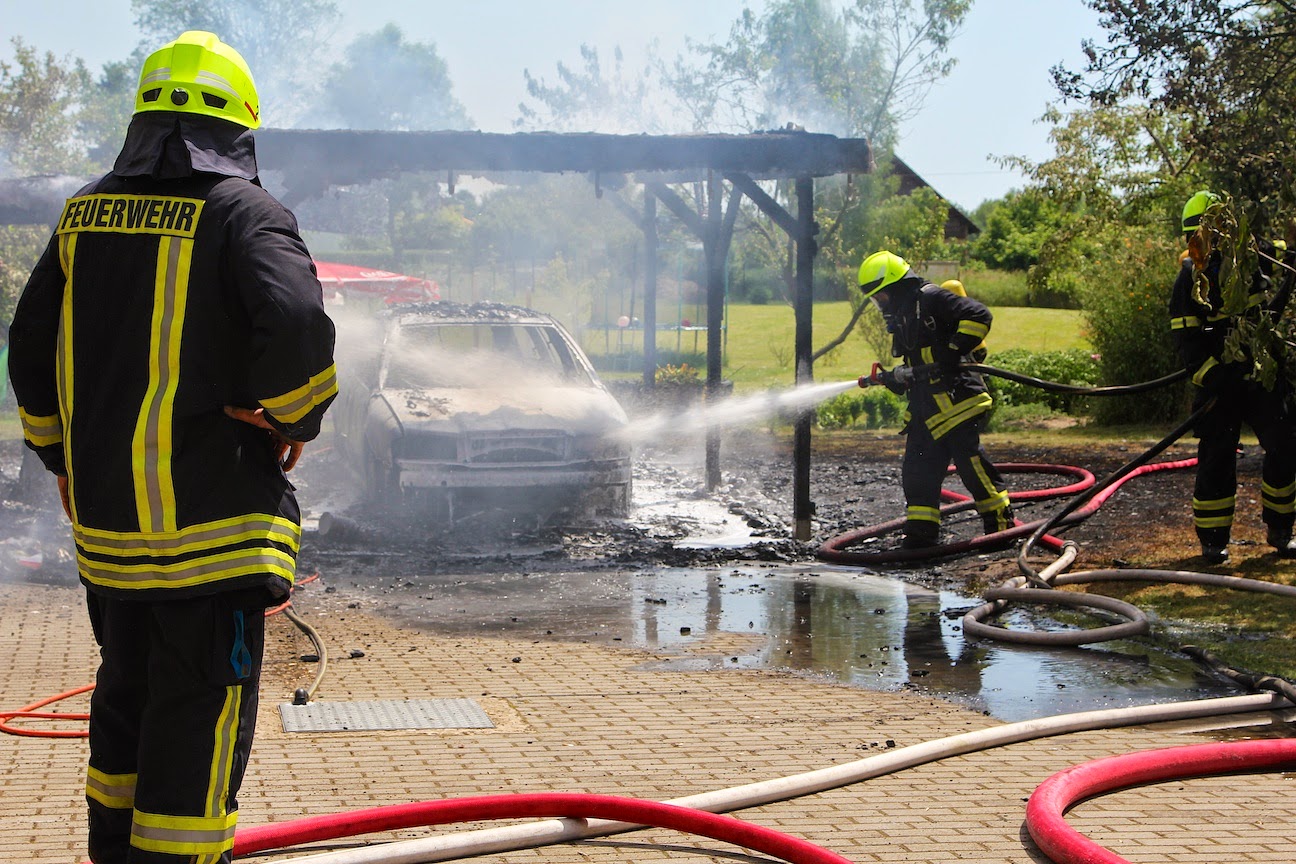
{"points": [[758, 349]]}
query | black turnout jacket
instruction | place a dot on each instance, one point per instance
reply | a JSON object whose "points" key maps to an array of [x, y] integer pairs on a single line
{"points": [[174, 286], [935, 326]]}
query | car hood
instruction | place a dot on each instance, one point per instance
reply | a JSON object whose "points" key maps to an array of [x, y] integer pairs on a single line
{"points": [[579, 410]]}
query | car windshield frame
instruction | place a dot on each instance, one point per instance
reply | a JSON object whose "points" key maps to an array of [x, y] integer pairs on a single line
{"points": [[479, 354]]}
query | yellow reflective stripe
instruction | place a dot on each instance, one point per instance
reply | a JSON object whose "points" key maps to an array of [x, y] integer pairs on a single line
{"points": [[41, 431], [296, 404], [226, 735], [1200, 374], [183, 835], [973, 328], [63, 362], [195, 538], [916, 513], [183, 574], [939, 424], [1215, 503], [1278, 491], [151, 446], [927, 355], [978, 468], [1213, 521], [1185, 322], [131, 214], [993, 503], [1278, 499], [115, 791]]}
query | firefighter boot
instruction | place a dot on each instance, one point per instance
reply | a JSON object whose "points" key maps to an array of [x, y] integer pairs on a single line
{"points": [[920, 535], [998, 520], [1214, 544], [1282, 541]]}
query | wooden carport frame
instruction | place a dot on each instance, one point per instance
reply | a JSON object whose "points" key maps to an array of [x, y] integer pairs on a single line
{"points": [[312, 161]]}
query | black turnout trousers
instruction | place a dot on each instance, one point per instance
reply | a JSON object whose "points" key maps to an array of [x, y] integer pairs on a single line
{"points": [[1215, 487], [171, 724]]}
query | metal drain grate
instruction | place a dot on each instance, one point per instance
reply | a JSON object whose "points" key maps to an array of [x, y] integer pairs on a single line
{"points": [[384, 714]]}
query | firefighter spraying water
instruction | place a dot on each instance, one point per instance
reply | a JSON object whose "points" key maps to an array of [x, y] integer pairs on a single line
{"points": [[934, 331]]}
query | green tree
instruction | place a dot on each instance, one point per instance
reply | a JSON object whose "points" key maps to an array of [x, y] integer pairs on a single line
{"points": [[856, 72], [1125, 310], [1016, 229], [106, 109], [39, 99], [1225, 68], [586, 99], [386, 82], [1111, 166]]}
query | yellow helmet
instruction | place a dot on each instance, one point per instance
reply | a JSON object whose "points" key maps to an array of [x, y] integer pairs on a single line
{"points": [[199, 74], [954, 286], [1196, 206], [881, 270]]}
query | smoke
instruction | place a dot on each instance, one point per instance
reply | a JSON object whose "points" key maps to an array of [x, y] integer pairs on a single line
{"points": [[454, 355]]}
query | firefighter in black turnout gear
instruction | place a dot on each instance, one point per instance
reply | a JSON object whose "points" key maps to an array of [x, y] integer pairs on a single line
{"points": [[170, 355], [934, 330], [1201, 326]]}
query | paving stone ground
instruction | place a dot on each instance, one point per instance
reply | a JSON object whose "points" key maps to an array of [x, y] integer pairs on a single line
{"points": [[600, 719]]}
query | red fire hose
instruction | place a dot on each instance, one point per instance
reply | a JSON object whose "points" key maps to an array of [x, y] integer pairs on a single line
{"points": [[836, 551], [1051, 799], [31, 712], [314, 829]]}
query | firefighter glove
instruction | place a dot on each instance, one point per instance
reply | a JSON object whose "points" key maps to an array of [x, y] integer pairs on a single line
{"points": [[286, 450]]}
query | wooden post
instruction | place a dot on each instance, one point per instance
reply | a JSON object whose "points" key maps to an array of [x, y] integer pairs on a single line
{"points": [[802, 506], [650, 291], [715, 252]]}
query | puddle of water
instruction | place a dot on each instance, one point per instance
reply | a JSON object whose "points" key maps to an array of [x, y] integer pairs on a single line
{"points": [[860, 629]]}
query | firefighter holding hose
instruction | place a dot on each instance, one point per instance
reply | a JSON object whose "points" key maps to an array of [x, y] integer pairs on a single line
{"points": [[1201, 328], [935, 331], [170, 355]]}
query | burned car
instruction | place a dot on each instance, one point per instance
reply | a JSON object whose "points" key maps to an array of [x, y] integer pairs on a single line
{"points": [[463, 406]]}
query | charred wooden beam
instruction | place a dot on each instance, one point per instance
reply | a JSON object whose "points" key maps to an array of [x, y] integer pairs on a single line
{"points": [[314, 160]]}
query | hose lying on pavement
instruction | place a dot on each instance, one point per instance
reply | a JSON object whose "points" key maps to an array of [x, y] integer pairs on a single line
{"points": [[1051, 799], [570, 805], [445, 847], [32, 712]]}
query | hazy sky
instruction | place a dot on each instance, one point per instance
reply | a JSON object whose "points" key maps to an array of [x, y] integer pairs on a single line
{"points": [[988, 106]]}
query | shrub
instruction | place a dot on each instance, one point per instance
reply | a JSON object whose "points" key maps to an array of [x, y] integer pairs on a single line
{"points": [[1010, 417], [873, 408], [1075, 367], [997, 287], [682, 375], [1125, 306]]}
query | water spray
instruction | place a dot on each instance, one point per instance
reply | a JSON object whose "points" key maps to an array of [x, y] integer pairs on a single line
{"points": [[737, 410]]}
